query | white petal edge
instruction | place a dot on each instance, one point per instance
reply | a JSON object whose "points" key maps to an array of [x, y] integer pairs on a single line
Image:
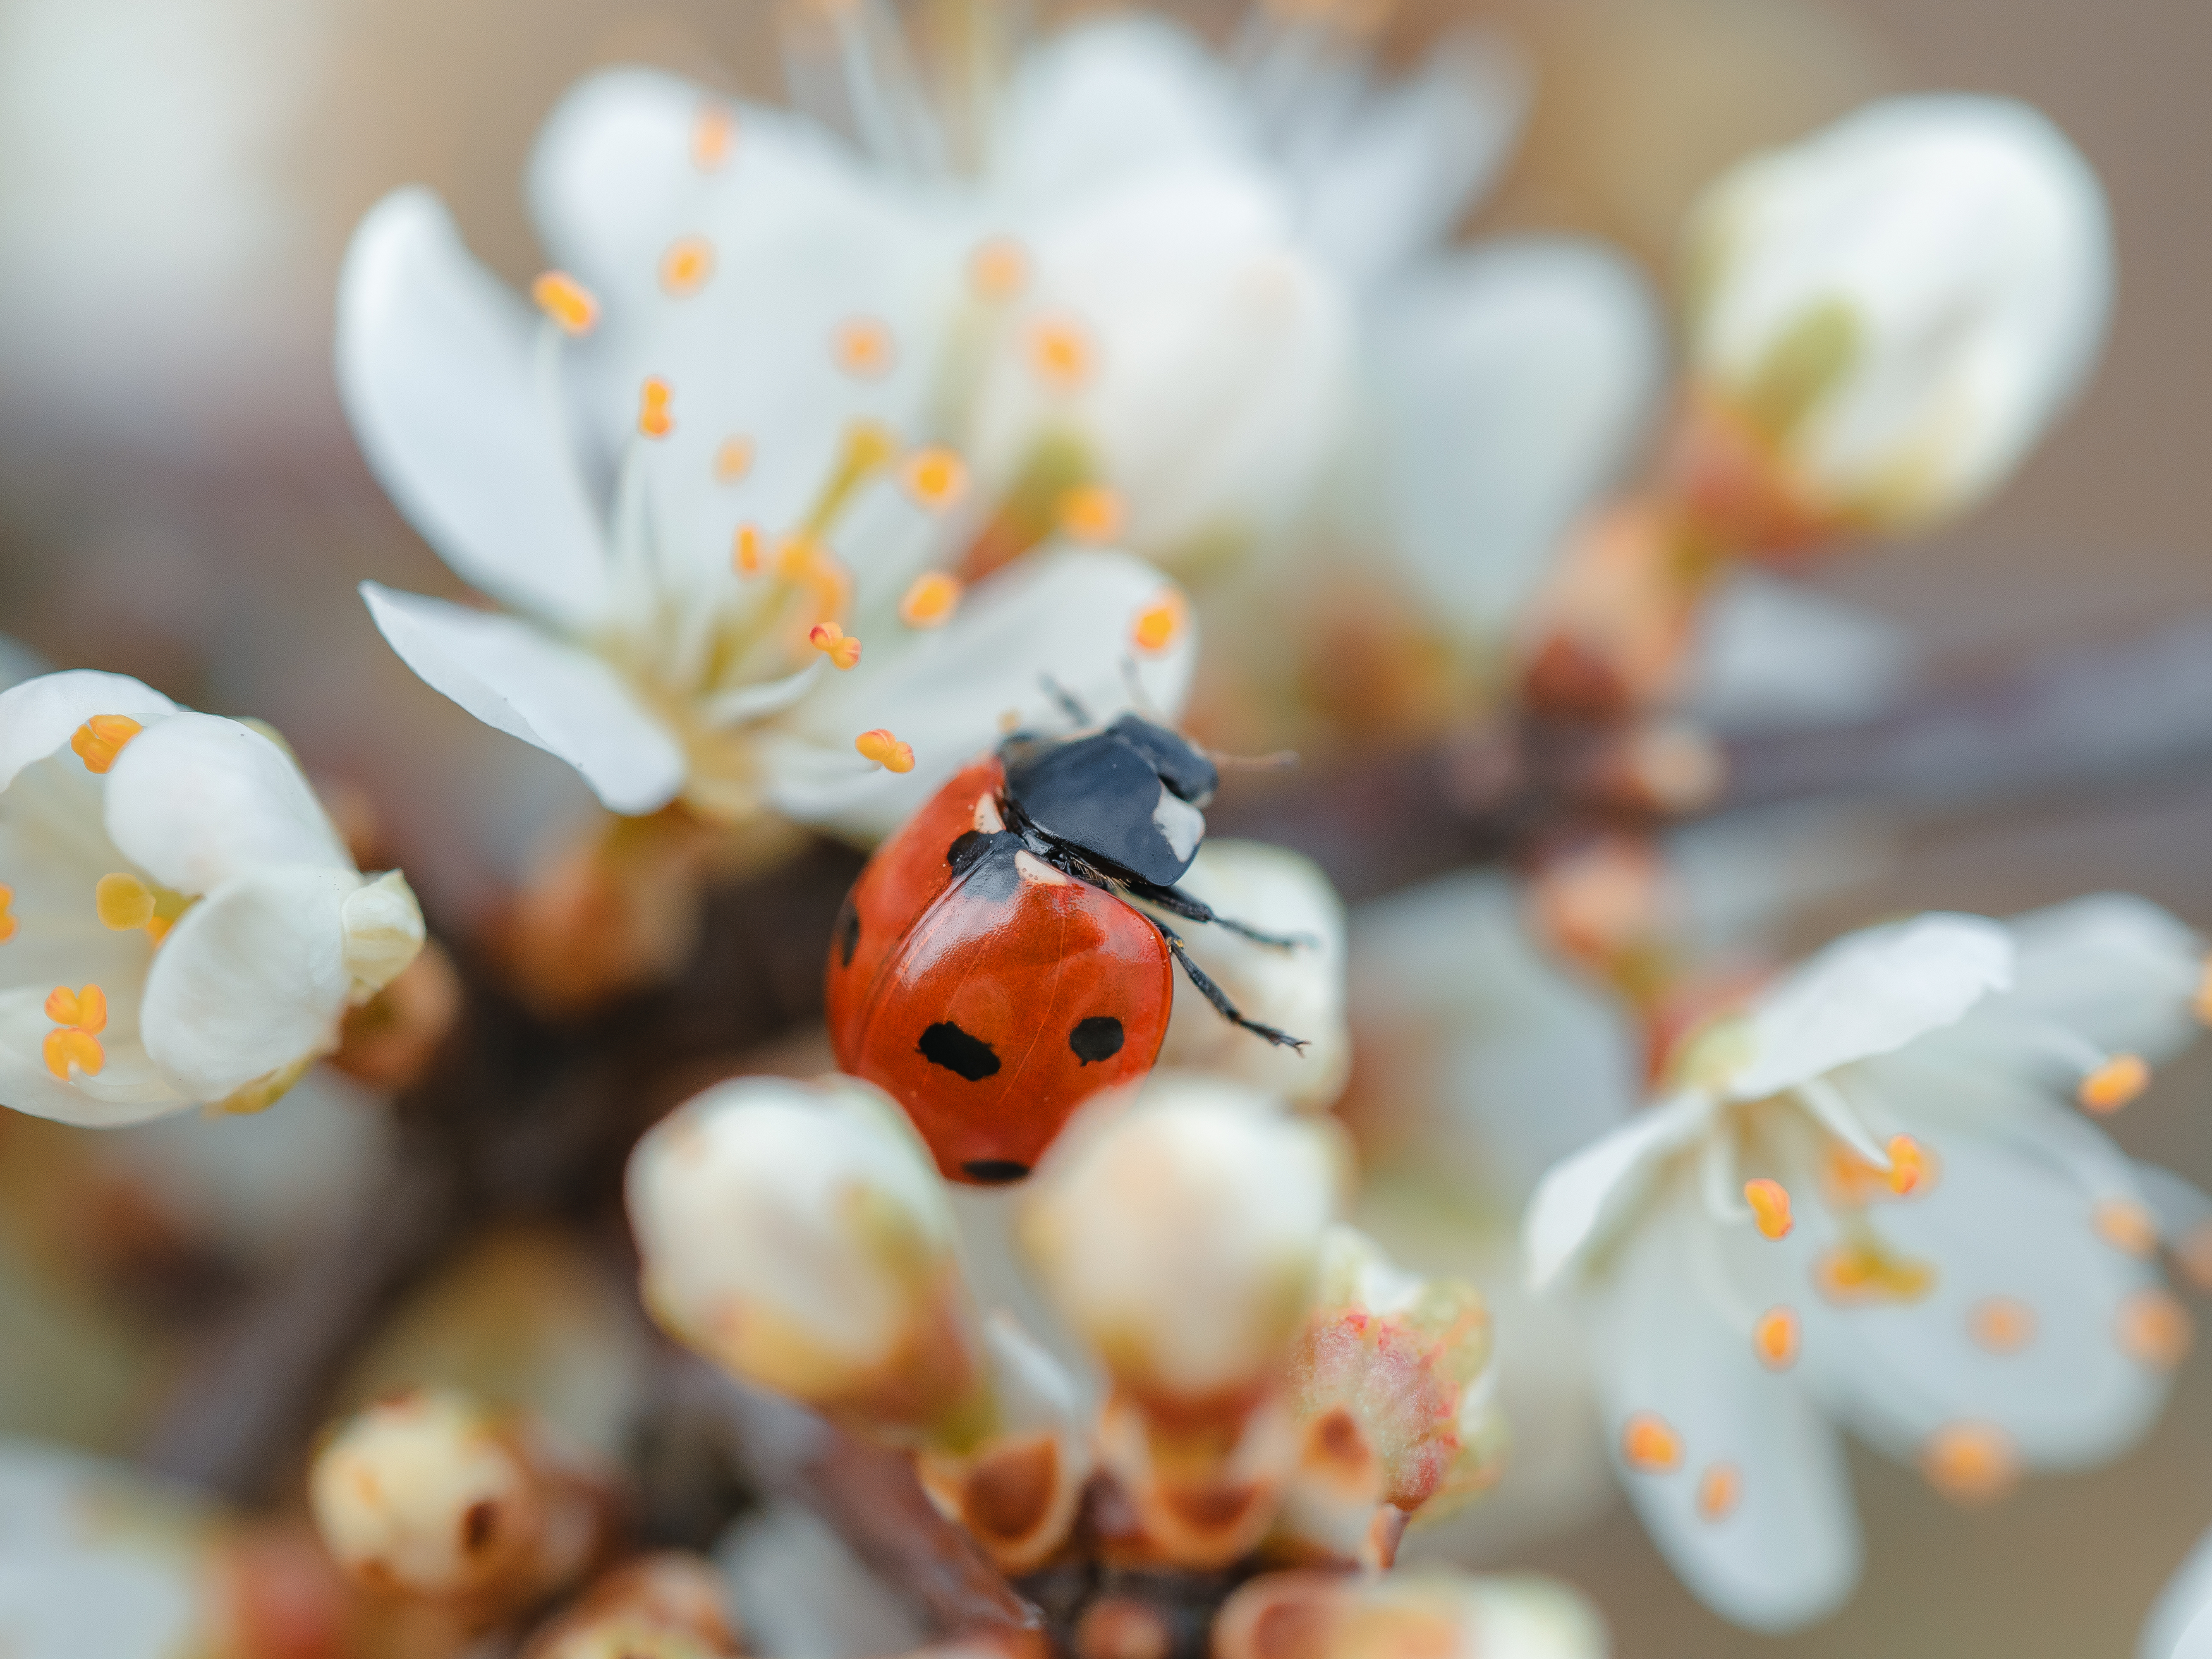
{"points": [[197, 799], [1583, 1197], [37, 717], [437, 363], [1871, 993], [556, 696], [2180, 1622]]}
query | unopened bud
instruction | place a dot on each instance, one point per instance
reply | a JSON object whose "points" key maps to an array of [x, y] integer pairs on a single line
{"points": [[658, 1607], [797, 1235], [1889, 314], [1426, 1614]]}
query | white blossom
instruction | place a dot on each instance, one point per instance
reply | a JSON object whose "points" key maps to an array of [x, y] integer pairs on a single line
{"points": [[1899, 304], [1423, 1610], [1866, 1198], [179, 923]]}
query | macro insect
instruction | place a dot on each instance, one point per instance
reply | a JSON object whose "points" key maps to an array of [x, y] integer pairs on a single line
{"points": [[988, 969]]}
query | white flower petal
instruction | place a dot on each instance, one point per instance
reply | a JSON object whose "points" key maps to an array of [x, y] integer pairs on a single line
{"points": [[1065, 617], [1785, 1551], [1515, 382], [1129, 94], [1871, 993], [1777, 656], [529, 685], [252, 979], [2112, 968], [437, 361], [1399, 177], [129, 1089], [1583, 1198], [198, 800], [38, 716], [2180, 1622]]}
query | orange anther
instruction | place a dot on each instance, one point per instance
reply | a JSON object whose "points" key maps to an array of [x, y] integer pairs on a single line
{"points": [[2203, 1001], [734, 458], [86, 1010], [1775, 1338], [935, 479], [1160, 623], [745, 550], [2125, 1226], [1092, 515], [1971, 1462], [841, 648], [123, 901], [1865, 1271], [2114, 1084], [1060, 353], [1909, 1165], [862, 346], [652, 417], [999, 269], [2154, 1329], [686, 265], [713, 135], [1720, 1489], [1649, 1444], [1770, 1206], [886, 751], [73, 1047], [2002, 1324], [7, 922], [102, 738], [566, 300], [931, 601]]}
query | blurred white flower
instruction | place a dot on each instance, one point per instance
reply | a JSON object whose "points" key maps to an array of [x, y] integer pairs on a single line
{"points": [[2180, 1622], [179, 923], [1893, 310], [1865, 1198], [1425, 1611]]}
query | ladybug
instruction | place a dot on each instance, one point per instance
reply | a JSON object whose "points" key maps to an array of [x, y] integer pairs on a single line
{"points": [[987, 969]]}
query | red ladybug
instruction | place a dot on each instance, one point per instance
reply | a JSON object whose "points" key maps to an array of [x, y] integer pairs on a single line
{"points": [[987, 970]]}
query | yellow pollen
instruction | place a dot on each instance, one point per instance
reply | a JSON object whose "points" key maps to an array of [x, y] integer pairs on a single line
{"points": [[652, 417], [124, 902], [1720, 1489], [832, 641], [935, 479], [745, 550], [713, 135], [1160, 623], [1092, 515], [685, 267], [85, 1010], [7, 922], [931, 601], [158, 928], [2125, 1226], [1649, 1444], [2154, 1329], [72, 1046], [2114, 1084], [1865, 1271], [797, 559], [1060, 354], [999, 269], [566, 300], [734, 458], [862, 346], [885, 750], [1970, 1462], [1770, 1206], [2002, 1324], [1775, 1338], [1910, 1168], [102, 738]]}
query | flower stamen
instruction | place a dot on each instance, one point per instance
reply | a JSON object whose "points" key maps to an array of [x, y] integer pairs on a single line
{"points": [[713, 135], [102, 738], [841, 648], [653, 420], [1970, 1462], [1866, 1272], [2002, 1324], [745, 550], [935, 479], [2126, 1226], [1060, 353], [1092, 515], [686, 265], [863, 347], [567, 302], [81, 1016], [1160, 623], [931, 601], [1719, 1491], [122, 900], [7, 922], [2154, 1328], [885, 750], [734, 458], [999, 269], [1648, 1443], [1770, 1206], [1776, 1337], [2114, 1084]]}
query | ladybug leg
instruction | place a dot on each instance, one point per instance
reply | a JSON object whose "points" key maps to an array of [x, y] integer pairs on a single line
{"points": [[1066, 699], [1219, 998], [1177, 903]]}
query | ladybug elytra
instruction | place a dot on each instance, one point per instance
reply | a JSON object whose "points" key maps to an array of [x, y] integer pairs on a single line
{"points": [[987, 969]]}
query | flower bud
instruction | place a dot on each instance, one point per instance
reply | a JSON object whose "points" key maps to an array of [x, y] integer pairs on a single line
{"points": [[1886, 316], [1391, 1390], [1428, 1614], [658, 1607], [426, 1494], [1179, 1232], [797, 1235]]}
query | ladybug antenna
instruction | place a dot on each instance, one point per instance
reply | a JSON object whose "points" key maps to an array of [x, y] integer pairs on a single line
{"points": [[1139, 699], [1066, 699]]}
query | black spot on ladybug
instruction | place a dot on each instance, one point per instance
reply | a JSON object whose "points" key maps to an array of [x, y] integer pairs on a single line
{"points": [[848, 931], [994, 1171], [967, 847], [985, 864], [945, 1044], [1098, 1038]]}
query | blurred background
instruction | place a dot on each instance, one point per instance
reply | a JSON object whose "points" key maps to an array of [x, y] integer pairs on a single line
{"points": [[180, 500]]}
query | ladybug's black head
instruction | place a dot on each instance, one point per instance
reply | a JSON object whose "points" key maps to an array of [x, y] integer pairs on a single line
{"points": [[1131, 798]]}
